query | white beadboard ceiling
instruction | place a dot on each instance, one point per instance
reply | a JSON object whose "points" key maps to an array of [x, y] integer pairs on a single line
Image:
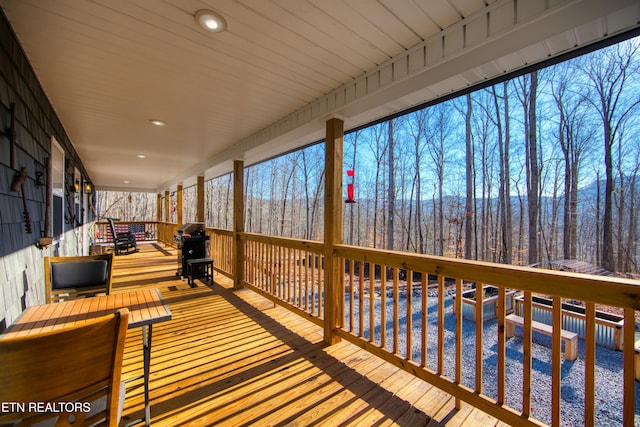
{"points": [[282, 68]]}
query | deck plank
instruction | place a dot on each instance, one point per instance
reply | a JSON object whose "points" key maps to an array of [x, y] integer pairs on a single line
{"points": [[231, 358]]}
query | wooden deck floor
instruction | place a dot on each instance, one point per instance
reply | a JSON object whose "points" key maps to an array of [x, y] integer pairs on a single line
{"points": [[230, 358]]}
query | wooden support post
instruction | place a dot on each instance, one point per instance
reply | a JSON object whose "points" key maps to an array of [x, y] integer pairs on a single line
{"points": [[167, 206], [333, 228], [179, 198], [200, 199], [238, 223], [160, 226], [167, 219], [159, 208]]}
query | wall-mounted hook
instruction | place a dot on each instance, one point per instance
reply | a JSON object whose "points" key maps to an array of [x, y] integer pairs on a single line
{"points": [[18, 184], [39, 182]]}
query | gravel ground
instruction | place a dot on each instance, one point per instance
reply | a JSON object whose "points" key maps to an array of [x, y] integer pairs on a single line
{"points": [[609, 397]]}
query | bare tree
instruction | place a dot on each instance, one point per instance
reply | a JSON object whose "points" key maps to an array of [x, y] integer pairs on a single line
{"points": [[470, 172], [528, 86], [505, 177], [437, 151], [378, 146], [391, 185], [575, 137], [609, 76], [418, 127]]}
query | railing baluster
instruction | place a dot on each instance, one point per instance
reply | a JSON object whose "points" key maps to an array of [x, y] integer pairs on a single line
{"points": [[229, 240], [310, 298], [342, 290], [301, 262], [372, 326], [256, 263], [526, 356], [293, 280], [361, 306], [556, 361], [277, 270], [216, 250], [425, 319], [590, 364], [282, 283], [409, 332], [291, 276], [629, 371], [304, 283], [287, 275], [458, 311], [383, 302], [319, 284], [248, 266], [220, 248], [297, 277], [265, 267], [267, 282], [440, 325], [396, 297], [501, 308], [270, 280], [352, 265], [479, 335], [303, 287], [274, 269]]}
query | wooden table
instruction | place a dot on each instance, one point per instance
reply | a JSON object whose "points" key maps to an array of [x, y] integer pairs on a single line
{"points": [[146, 307]]}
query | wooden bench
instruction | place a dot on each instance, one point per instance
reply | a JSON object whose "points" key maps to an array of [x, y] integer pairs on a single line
{"points": [[570, 338]]}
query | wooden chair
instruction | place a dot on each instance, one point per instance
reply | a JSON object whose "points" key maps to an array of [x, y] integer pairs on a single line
{"points": [[75, 371], [72, 277]]}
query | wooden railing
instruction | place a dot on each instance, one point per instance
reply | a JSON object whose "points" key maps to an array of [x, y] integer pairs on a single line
{"points": [[143, 230], [422, 332], [221, 250], [288, 271], [400, 307], [166, 233]]}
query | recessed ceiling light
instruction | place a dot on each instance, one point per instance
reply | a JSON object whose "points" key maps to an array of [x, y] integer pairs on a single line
{"points": [[125, 182], [141, 156], [210, 21], [158, 122]]}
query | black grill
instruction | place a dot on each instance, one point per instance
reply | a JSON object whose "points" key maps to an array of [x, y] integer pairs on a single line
{"points": [[192, 244]]}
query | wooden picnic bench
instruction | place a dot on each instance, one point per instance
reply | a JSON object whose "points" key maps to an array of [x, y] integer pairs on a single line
{"points": [[570, 338]]}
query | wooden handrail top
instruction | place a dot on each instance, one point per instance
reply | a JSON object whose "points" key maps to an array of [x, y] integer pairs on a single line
{"points": [[305, 245], [617, 292]]}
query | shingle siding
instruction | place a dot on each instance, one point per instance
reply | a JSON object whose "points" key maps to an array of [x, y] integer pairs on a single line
{"points": [[21, 261]]}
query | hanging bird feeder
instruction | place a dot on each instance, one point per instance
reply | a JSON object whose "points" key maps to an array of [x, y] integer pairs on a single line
{"points": [[350, 173]]}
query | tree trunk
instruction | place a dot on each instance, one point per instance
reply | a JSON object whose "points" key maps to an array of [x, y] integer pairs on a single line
{"points": [[533, 172], [391, 195], [468, 214]]}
